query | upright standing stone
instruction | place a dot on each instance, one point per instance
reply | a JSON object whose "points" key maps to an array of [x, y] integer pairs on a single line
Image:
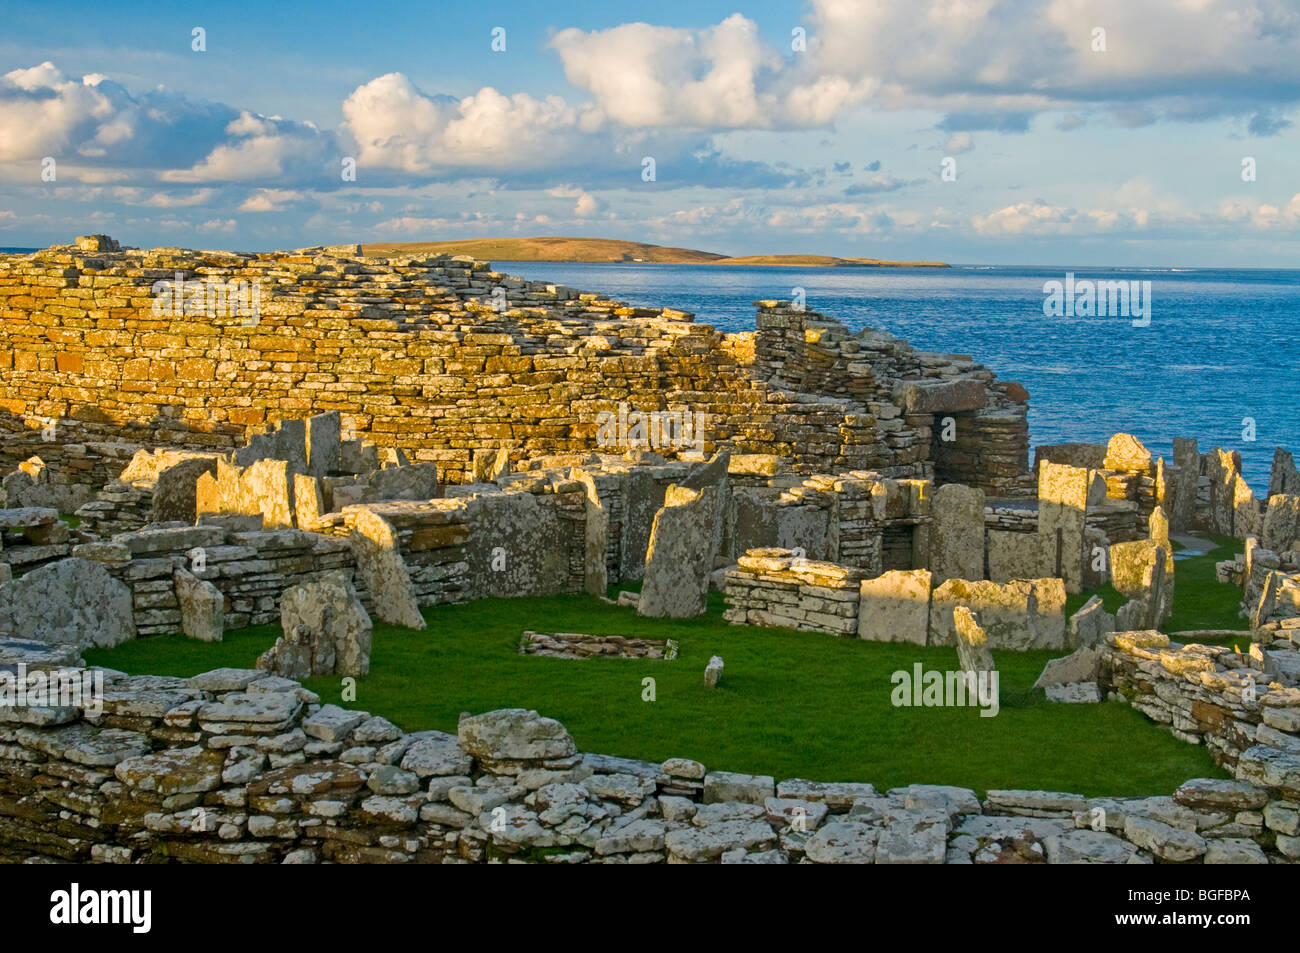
{"points": [[680, 556], [308, 505], [1222, 467], [595, 571], [1062, 513], [1281, 529], [1158, 527], [1020, 555], [1188, 461], [202, 607], [1164, 491], [713, 671], [325, 626], [1246, 519], [972, 642], [383, 571], [1090, 625], [684, 540], [324, 432], [957, 533], [1284, 477], [895, 607], [266, 487]]}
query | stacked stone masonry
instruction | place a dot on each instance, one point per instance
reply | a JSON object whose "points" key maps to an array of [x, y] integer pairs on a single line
{"points": [[414, 351], [236, 766]]}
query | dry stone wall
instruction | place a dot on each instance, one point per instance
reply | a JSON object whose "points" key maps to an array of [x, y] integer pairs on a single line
{"points": [[447, 359], [237, 766]]}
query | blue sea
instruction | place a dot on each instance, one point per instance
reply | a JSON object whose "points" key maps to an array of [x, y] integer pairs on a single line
{"points": [[1222, 345]]}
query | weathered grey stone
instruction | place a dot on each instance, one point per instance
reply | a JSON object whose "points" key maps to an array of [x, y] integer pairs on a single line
{"points": [[595, 571], [1217, 794], [837, 795], [895, 607], [1074, 693], [1166, 842], [843, 842], [713, 671], [419, 481], [746, 788], [322, 443], [1283, 477], [1222, 467], [1090, 625], [1087, 847], [325, 625], [332, 723], [972, 643], [1010, 614], [1234, 850], [684, 540], [70, 602], [174, 771], [696, 845], [202, 607], [1062, 513], [382, 570], [957, 533], [174, 493], [914, 837], [1281, 527], [515, 734], [1079, 666], [1187, 459], [1019, 555], [436, 754]]}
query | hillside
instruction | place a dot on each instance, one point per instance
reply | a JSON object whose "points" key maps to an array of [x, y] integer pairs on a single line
{"points": [[611, 250], [550, 249]]}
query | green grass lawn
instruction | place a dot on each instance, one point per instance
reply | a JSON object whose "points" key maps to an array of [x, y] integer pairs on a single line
{"points": [[790, 704]]}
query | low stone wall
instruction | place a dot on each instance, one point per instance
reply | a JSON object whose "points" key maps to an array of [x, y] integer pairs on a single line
{"points": [[235, 766], [769, 588], [1229, 701], [774, 587]]}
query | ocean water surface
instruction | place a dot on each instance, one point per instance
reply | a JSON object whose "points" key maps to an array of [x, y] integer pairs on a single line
{"points": [[1219, 353]]}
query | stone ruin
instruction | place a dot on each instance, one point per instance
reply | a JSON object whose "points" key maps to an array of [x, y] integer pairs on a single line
{"points": [[219, 482], [241, 766]]}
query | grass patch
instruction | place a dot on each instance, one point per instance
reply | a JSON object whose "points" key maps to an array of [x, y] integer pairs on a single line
{"points": [[790, 704], [1200, 600]]}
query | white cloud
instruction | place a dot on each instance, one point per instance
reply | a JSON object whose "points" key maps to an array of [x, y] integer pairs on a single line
{"points": [[721, 77], [958, 143], [397, 126], [270, 200], [587, 205]]}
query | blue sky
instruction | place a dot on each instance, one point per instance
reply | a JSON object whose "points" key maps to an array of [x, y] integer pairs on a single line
{"points": [[1063, 152]]}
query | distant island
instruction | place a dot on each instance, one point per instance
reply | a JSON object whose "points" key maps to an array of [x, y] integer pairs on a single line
{"points": [[615, 251]]}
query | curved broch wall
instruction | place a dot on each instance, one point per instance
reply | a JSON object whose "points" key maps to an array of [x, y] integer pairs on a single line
{"points": [[419, 353]]}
